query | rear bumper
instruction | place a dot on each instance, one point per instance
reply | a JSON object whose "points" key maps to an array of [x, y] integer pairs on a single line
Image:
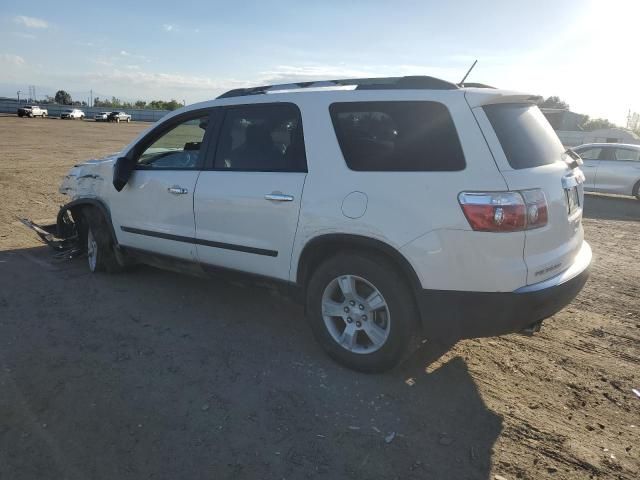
{"points": [[453, 315]]}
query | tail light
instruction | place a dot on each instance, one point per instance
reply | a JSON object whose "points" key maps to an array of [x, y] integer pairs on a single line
{"points": [[504, 211]]}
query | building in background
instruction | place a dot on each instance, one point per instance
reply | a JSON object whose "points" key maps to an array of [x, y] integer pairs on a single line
{"points": [[567, 125]]}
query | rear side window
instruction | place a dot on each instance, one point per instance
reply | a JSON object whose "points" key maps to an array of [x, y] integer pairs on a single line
{"points": [[627, 154], [263, 138], [526, 137], [397, 136]]}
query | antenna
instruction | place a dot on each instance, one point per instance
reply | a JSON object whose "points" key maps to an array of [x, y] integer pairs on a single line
{"points": [[467, 74]]}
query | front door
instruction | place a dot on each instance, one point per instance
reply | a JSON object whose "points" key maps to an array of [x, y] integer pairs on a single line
{"points": [[154, 212], [618, 173], [247, 202]]}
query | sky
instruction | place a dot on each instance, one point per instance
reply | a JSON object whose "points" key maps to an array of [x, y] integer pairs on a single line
{"points": [[584, 51]]}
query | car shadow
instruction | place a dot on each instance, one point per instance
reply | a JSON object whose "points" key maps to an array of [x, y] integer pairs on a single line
{"points": [[610, 207], [154, 374]]}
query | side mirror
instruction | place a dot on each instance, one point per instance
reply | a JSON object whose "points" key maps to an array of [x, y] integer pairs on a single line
{"points": [[122, 172]]}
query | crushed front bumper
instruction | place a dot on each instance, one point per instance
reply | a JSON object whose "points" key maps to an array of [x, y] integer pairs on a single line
{"points": [[453, 315], [61, 236]]}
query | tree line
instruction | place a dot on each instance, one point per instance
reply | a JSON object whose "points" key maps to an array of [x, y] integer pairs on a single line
{"points": [[584, 122], [63, 97]]}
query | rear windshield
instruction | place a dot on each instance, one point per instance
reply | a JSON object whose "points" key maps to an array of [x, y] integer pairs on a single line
{"points": [[397, 136], [526, 136]]}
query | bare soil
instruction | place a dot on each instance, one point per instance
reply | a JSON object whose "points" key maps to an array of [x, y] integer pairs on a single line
{"points": [[157, 375]]}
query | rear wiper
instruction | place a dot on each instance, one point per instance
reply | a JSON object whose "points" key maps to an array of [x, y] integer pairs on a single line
{"points": [[576, 160]]}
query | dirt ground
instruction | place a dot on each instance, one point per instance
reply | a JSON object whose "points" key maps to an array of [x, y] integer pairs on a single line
{"points": [[156, 375]]}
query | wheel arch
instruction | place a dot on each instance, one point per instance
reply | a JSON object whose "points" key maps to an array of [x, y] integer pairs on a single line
{"points": [[323, 246], [635, 190], [76, 206]]}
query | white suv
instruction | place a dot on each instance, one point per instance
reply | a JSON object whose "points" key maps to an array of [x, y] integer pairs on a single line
{"points": [[400, 209], [72, 114]]}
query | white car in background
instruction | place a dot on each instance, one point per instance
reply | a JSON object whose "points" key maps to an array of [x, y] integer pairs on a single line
{"points": [[72, 114], [611, 167], [102, 117]]}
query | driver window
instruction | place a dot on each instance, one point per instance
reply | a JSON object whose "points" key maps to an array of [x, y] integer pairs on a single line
{"points": [[179, 148]]}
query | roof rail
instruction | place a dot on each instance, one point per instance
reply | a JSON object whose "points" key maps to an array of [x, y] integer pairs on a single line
{"points": [[386, 83], [475, 85]]}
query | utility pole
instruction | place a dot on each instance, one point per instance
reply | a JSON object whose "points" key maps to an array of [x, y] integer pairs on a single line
{"points": [[18, 92], [91, 98]]}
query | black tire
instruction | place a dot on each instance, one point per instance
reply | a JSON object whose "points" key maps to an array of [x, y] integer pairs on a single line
{"points": [[94, 227], [403, 323]]}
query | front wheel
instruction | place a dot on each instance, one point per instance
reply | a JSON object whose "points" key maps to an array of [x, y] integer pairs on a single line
{"points": [[361, 311], [128, 120], [101, 256]]}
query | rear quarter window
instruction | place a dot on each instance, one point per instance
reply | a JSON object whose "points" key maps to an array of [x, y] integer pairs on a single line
{"points": [[397, 136], [526, 137]]}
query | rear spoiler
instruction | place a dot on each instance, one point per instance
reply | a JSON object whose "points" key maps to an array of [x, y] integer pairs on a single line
{"points": [[479, 97]]}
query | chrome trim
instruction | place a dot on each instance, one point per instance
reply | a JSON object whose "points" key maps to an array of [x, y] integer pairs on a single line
{"points": [[580, 263], [573, 179], [177, 190], [278, 197]]}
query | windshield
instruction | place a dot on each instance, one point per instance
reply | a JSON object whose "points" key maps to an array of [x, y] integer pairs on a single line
{"points": [[526, 136]]}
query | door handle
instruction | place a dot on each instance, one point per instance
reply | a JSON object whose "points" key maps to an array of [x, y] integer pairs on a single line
{"points": [[278, 197], [177, 190]]}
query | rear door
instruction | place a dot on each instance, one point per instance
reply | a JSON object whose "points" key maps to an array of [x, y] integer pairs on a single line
{"points": [[154, 212], [248, 199], [530, 156]]}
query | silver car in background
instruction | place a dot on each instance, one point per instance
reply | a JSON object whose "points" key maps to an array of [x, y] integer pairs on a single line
{"points": [[611, 167]]}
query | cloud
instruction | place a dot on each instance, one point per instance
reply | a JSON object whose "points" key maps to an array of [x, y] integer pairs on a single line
{"points": [[8, 59], [139, 78], [30, 22], [310, 72], [26, 36], [124, 53], [168, 27]]}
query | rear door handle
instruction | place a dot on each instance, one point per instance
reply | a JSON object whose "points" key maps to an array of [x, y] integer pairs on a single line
{"points": [[177, 190], [278, 197]]}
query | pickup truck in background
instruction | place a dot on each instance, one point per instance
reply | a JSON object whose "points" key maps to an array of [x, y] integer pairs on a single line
{"points": [[32, 111]]}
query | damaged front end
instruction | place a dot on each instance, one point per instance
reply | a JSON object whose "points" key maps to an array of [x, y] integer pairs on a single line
{"points": [[83, 184], [63, 237]]}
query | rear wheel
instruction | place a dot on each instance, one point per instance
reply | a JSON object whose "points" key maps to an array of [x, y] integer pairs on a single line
{"points": [[361, 311], [101, 256]]}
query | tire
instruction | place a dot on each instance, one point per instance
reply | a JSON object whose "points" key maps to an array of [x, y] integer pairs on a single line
{"points": [[391, 316], [636, 190], [128, 120], [117, 120], [99, 245]]}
